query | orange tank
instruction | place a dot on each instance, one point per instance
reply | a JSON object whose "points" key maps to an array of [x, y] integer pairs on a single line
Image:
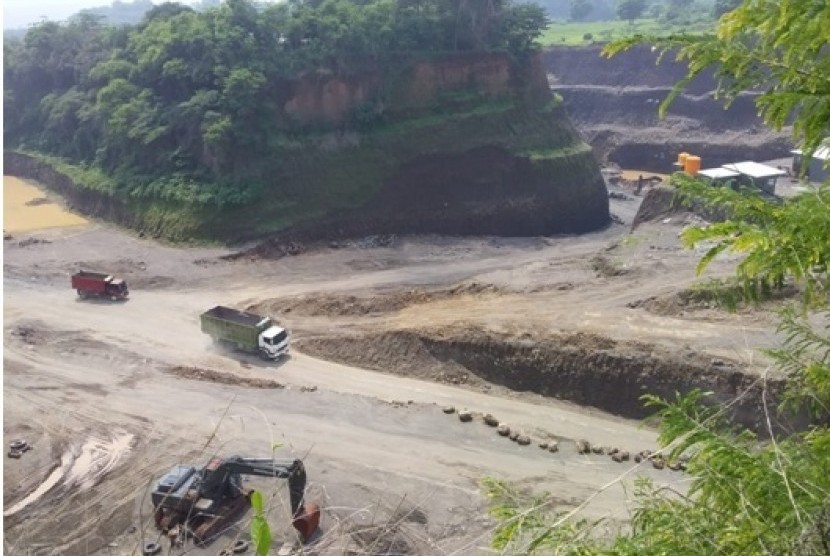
{"points": [[692, 165], [681, 159]]}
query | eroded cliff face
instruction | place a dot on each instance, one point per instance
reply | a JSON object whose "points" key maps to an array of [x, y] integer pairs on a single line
{"points": [[468, 144], [614, 104], [323, 98]]}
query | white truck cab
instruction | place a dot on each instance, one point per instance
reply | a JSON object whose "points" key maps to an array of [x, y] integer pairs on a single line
{"points": [[273, 342]]}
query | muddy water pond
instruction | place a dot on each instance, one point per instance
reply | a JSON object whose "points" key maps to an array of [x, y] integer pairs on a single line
{"points": [[26, 207]]}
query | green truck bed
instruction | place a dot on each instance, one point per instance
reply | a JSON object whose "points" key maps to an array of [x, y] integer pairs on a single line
{"points": [[228, 325]]}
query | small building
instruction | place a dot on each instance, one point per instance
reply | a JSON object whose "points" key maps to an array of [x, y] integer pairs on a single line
{"points": [[817, 169], [719, 176], [756, 175]]}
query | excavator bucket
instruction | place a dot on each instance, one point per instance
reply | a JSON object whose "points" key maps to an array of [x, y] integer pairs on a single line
{"points": [[307, 520]]}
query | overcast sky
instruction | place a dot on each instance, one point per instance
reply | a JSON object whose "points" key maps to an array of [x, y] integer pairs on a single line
{"points": [[21, 13]]}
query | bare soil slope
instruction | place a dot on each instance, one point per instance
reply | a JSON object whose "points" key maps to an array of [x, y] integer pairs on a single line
{"points": [[614, 104]]}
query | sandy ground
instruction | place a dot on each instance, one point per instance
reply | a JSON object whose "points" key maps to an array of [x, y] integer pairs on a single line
{"points": [[89, 383]]}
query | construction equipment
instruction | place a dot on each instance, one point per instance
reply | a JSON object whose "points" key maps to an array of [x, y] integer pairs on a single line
{"points": [[203, 502], [245, 331]]}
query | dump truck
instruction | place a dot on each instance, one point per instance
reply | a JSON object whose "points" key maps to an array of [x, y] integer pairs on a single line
{"points": [[244, 331], [99, 284]]}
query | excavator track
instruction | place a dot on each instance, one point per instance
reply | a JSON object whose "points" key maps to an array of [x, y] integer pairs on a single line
{"points": [[210, 526]]}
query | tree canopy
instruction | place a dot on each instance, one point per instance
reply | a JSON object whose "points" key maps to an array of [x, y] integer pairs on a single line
{"points": [[188, 98]]}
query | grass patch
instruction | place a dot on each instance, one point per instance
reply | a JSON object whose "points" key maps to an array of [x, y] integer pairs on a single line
{"points": [[573, 33], [91, 178], [549, 154], [409, 125]]}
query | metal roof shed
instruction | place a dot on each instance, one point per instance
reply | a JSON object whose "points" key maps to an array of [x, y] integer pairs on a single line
{"points": [[818, 169], [718, 176], [755, 174]]}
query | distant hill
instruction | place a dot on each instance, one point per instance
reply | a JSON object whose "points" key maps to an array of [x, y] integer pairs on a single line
{"points": [[131, 13], [120, 13]]}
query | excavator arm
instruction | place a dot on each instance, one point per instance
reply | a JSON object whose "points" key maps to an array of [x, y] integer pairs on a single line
{"points": [[220, 475], [292, 470]]}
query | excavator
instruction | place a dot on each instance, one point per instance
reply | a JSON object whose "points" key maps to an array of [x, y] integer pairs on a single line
{"points": [[202, 502]]}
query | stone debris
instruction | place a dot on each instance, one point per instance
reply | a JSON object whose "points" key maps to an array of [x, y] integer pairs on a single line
{"points": [[491, 421]]}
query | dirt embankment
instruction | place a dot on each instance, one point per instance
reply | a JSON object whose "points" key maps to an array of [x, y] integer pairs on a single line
{"points": [[585, 369], [588, 369], [614, 104]]}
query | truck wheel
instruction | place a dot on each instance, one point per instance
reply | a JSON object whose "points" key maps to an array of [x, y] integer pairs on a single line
{"points": [[20, 445], [150, 548], [114, 297], [82, 294]]}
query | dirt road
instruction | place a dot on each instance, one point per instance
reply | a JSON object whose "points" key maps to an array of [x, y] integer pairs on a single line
{"points": [[92, 386]]}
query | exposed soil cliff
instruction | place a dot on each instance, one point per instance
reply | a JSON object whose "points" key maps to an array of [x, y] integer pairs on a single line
{"points": [[614, 104], [471, 144]]}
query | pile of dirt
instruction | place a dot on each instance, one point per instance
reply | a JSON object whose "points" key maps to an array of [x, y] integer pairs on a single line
{"points": [[716, 297], [219, 377], [583, 368], [330, 305]]}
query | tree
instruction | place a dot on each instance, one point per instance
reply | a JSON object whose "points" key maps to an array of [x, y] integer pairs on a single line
{"points": [[631, 9], [580, 10], [523, 23], [745, 496]]}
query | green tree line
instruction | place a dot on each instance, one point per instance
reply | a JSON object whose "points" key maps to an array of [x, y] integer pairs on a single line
{"points": [[185, 104]]}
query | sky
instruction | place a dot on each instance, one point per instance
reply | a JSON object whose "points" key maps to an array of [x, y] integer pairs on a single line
{"points": [[21, 13]]}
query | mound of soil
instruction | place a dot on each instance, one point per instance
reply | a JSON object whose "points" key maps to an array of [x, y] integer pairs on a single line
{"points": [[704, 299], [210, 375], [329, 305]]}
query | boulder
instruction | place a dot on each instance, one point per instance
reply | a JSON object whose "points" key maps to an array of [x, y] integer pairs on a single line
{"points": [[491, 421]]}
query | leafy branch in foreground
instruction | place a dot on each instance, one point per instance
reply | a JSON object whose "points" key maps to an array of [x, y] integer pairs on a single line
{"points": [[528, 526], [780, 241]]}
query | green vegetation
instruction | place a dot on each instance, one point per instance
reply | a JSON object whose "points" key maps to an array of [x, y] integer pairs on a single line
{"points": [[574, 33], [188, 108], [547, 154], [746, 495]]}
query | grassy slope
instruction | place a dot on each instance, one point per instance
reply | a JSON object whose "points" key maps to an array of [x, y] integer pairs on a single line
{"points": [[327, 181]]}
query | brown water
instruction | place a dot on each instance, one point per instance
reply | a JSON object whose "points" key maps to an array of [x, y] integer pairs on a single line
{"points": [[26, 208]]}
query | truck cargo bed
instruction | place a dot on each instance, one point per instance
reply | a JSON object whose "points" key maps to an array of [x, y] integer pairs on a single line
{"points": [[234, 315]]}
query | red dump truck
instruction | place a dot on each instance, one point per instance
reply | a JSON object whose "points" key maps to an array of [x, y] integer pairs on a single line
{"points": [[98, 284]]}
